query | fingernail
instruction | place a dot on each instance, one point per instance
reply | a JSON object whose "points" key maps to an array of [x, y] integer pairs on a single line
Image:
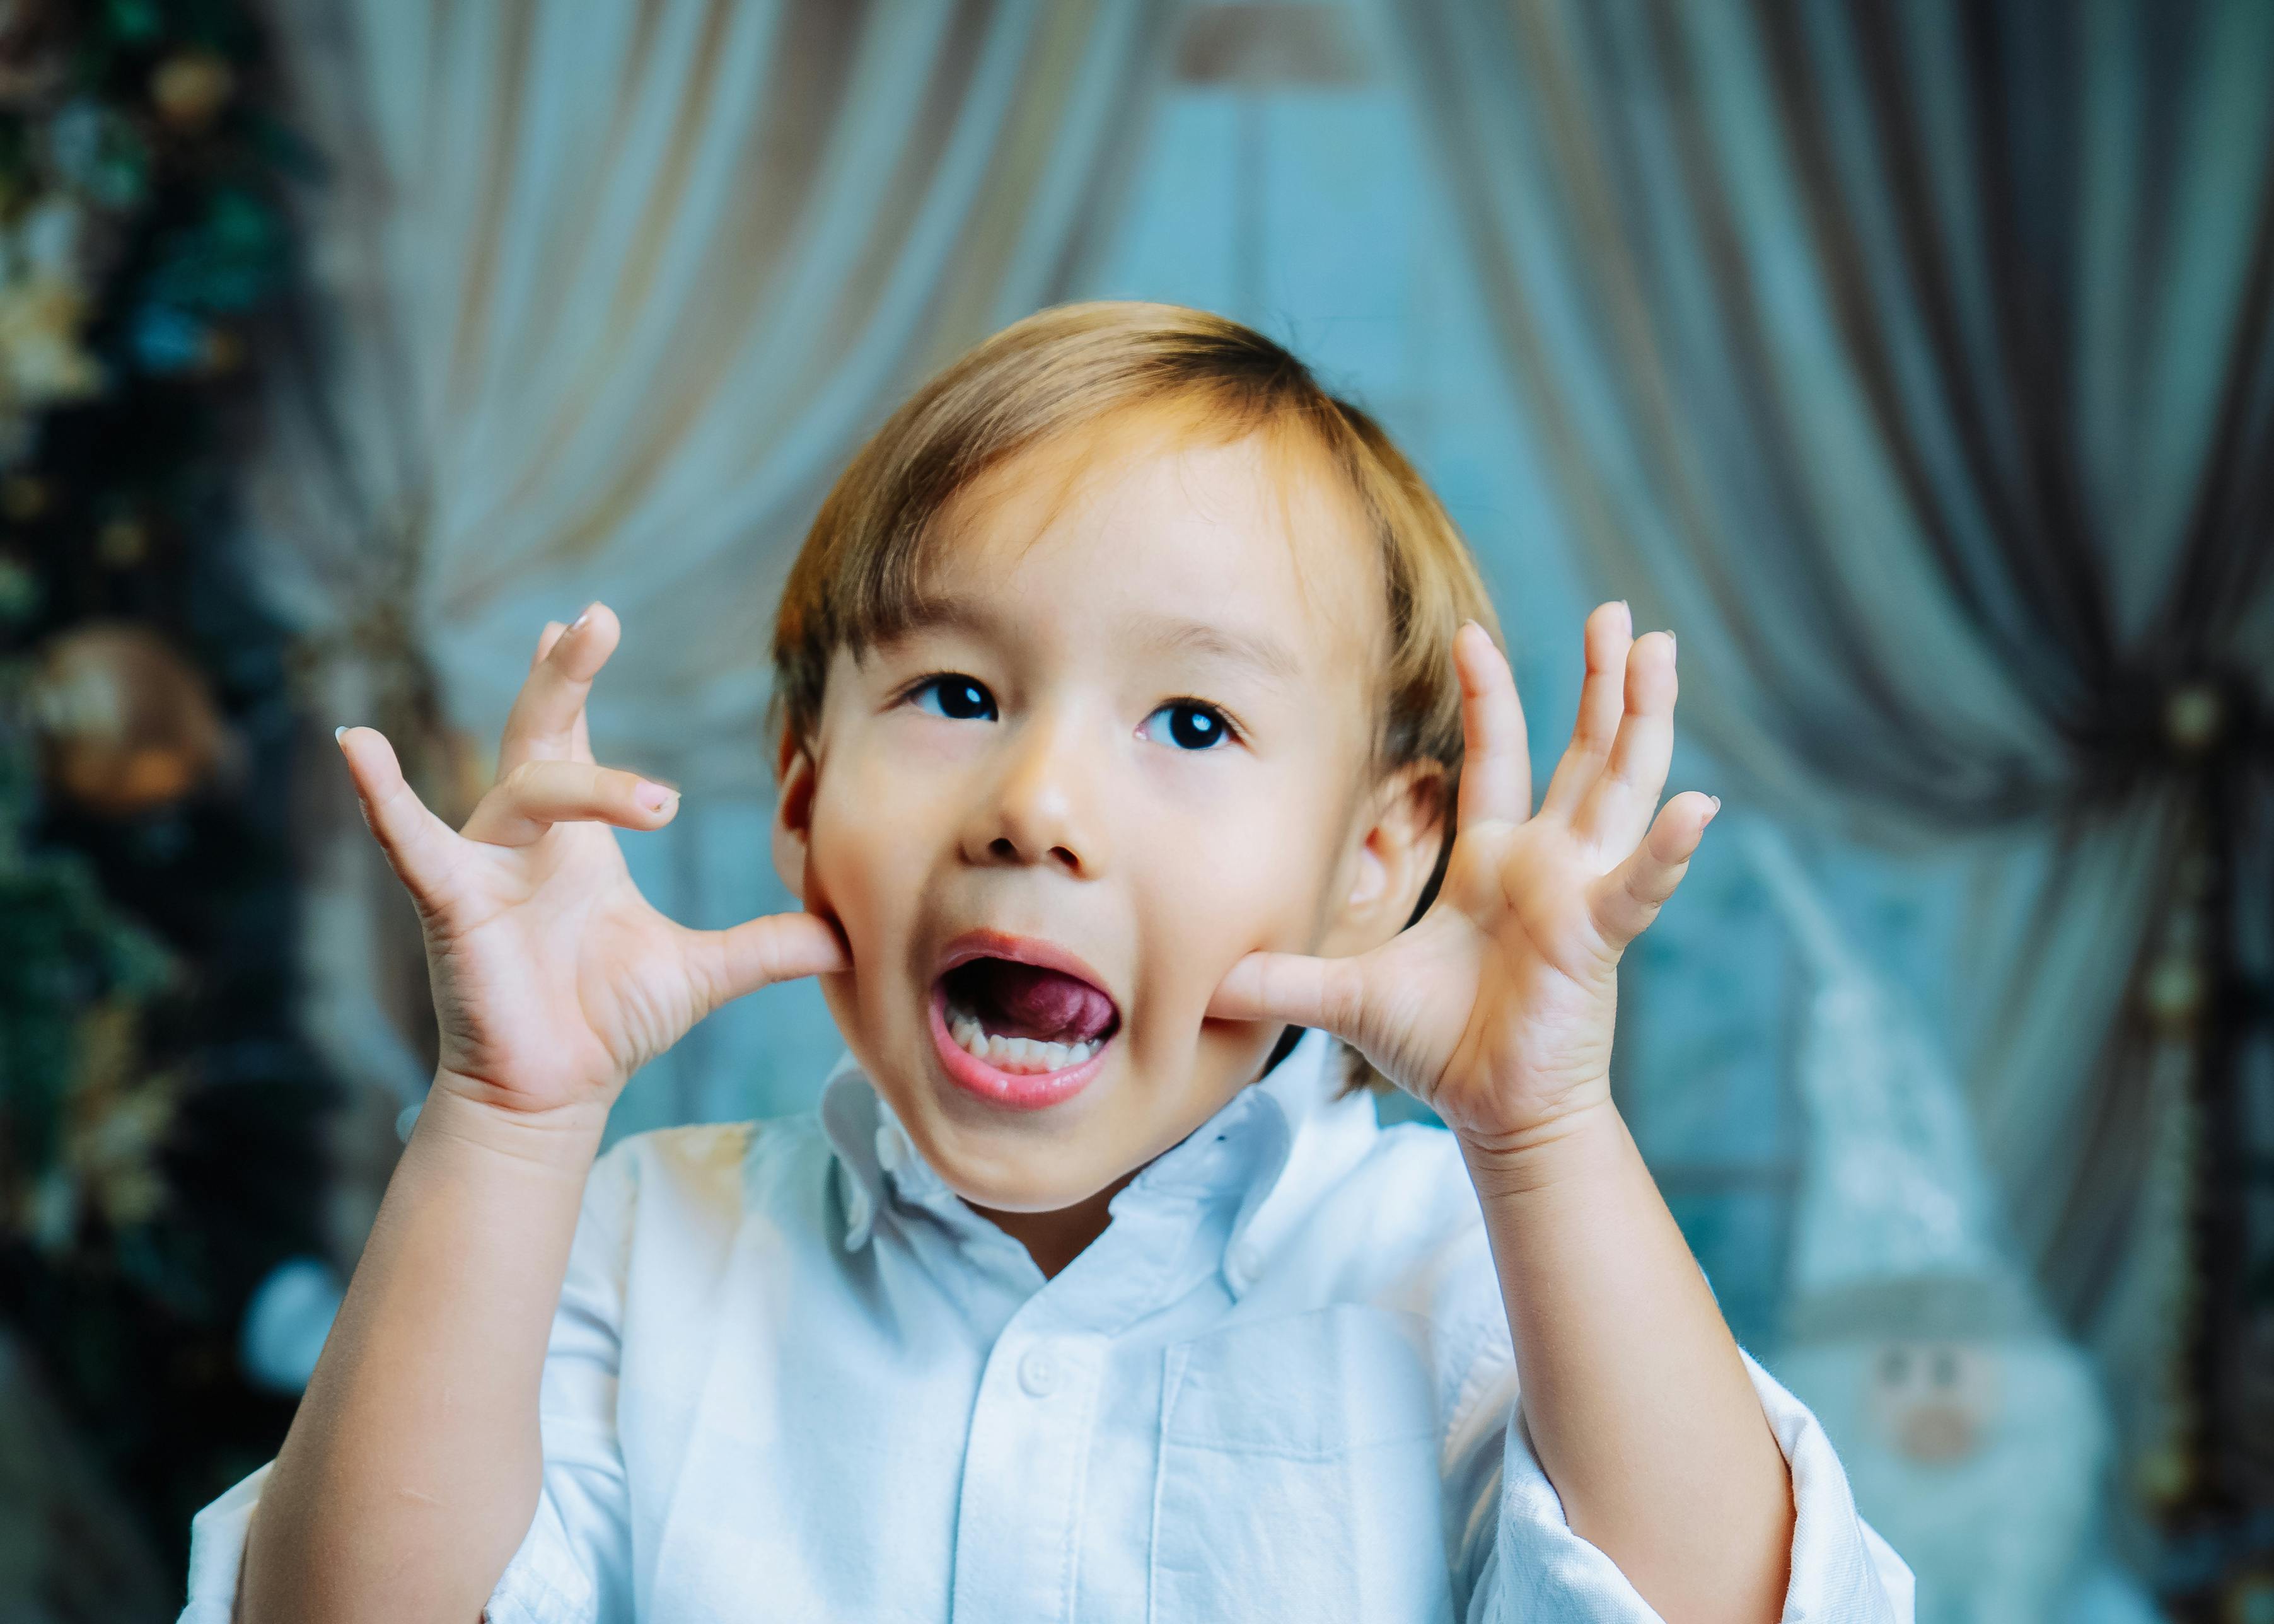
{"points": [[655, 797], [577, 624], [339, 732], [1670, 641], [1716, 812]]}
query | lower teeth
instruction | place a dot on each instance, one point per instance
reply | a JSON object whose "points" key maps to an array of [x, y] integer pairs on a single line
{"points": [[1020, 1055]]}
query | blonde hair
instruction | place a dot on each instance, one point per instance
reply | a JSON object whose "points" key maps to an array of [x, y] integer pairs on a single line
{"points": [[858, 578]]}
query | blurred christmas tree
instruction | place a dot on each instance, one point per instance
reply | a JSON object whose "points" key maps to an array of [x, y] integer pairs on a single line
{"points": [[158, 1113]]}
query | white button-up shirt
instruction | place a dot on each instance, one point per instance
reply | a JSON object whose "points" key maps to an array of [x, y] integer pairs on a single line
{"points": [[793, 1376]]}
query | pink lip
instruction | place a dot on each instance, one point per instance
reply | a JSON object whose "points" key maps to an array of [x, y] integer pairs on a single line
{"points": [[1024, 1091], [1019, 950]]}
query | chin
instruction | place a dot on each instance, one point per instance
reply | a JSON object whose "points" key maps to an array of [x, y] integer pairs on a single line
{"points": [[1007, 1159], [1023, 1157], [1005, 1187]]}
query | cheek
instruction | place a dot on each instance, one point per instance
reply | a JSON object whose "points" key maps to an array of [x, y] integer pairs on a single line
{"points": [[865, 861], [1248, 876]]}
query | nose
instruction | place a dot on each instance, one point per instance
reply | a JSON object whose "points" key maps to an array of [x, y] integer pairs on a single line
{"points": [[1040, 807]]}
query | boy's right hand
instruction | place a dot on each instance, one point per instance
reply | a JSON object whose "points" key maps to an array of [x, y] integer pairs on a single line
{"points": [[554, 979]]}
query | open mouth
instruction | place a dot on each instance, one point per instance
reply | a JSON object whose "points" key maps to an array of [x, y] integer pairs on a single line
{"points": [[1020, 1032]]}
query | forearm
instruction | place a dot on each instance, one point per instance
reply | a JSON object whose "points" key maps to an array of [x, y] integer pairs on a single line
{"points": [[413, 1465], [1635, 1398]]}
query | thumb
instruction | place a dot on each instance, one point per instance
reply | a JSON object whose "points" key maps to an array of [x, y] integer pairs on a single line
{"points": [[759, 953], [1293, 988]]}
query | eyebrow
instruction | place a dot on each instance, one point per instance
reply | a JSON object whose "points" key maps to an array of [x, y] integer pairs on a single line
{"points": [[1265, 655], [1261, 653]]}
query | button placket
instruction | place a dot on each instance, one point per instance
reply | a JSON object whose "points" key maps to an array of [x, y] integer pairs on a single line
{"points": [[1019, 1518], [1038, 1373]]}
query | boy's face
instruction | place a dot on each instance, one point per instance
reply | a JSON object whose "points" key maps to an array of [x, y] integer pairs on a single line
{"points": [[1129, 742]]}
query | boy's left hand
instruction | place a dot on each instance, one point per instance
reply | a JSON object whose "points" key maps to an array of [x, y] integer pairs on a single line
{"points": [[1495, 1007]]}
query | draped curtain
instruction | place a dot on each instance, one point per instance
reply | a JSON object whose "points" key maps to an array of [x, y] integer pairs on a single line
{"points": [[604, 294], [1915, 359]]}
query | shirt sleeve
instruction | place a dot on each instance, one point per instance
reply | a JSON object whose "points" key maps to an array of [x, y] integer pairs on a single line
{"points": [[1524, 1564], [574, 1564]]}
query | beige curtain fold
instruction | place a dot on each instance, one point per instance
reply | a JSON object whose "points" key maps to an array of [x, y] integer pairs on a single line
{"points": [[604, 294], [1912, 361]]}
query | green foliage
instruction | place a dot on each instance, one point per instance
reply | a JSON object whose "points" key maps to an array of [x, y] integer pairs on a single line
{"points": [[158, 1112]]}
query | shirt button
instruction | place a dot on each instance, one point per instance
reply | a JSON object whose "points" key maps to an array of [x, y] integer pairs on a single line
{"points": [[1038, 1374]]}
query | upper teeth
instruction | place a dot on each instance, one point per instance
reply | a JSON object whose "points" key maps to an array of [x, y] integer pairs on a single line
{"points": [[1017, 1054]]}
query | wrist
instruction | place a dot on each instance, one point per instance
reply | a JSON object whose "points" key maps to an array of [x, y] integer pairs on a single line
{"points": [[1579, 1143], [461, 1115]]}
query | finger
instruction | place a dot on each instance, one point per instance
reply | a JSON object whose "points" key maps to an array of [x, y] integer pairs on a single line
{"points": [[537, 794], [759, 953], [1602, 700], [542, 725], [1629, 896], [1293, 988], [1616, 811], [419, 846], [580, 741], [1496, 760]]}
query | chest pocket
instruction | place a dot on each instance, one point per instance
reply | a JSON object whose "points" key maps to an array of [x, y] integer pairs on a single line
{"points": [[1299, 1475]]}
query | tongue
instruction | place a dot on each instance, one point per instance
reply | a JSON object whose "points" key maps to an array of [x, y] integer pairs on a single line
{"points": [[1018, 1000]]}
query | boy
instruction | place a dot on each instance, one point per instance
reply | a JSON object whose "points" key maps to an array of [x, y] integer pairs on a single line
{"points": [[1131, 690]]}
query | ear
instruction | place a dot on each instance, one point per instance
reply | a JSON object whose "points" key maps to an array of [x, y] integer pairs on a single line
{"points": [[794, 770], [1392, 860]]}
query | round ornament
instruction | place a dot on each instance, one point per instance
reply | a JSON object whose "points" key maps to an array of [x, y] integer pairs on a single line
{"points": [[129, 725]]}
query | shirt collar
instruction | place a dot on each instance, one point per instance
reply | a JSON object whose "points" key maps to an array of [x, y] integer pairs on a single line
{"points": [[1276, 1143]]}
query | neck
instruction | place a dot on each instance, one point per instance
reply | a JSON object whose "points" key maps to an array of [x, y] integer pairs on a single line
{"points": [[1054, 1239]]}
